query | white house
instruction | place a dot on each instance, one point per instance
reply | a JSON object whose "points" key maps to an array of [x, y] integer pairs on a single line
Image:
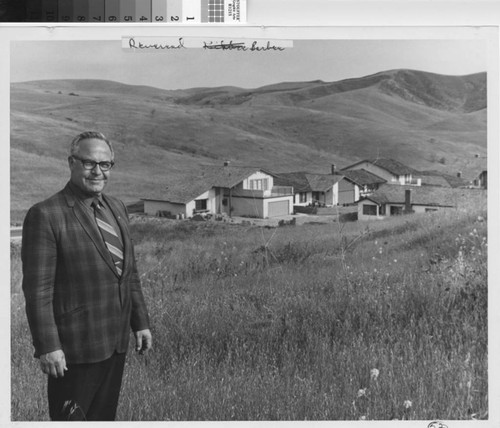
{"points": [[390, 170], [391, 200], [312, 189], [231, 190], [357, 183]]}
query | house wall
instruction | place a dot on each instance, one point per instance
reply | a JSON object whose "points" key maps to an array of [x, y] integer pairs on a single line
{"points": [[332, 195], [296, 199], [257, 207], [417, 209], [258, 175], [209, 195], [247, 207], [362, 216], [152, 207]]}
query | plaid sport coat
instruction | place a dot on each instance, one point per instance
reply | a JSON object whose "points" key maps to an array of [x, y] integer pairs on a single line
{"points": [[75, 300]]}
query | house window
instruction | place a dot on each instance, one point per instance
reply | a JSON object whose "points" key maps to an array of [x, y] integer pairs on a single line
{"points": [[259, 184], [200, 204], [396, 210], [369, 209], [302, 197]]}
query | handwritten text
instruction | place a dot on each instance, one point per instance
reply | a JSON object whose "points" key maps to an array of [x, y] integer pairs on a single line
{"points": [[242, 46], [133, 44]]}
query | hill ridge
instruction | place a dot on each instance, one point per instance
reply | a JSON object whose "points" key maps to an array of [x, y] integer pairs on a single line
{"points": [[424, 120]]}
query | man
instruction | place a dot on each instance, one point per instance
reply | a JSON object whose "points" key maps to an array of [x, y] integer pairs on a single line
{"points": [[82, 288]]}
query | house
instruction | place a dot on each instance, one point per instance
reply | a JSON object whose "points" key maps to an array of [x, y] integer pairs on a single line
{"points": [[390, 170], [312, 189], [231, 190], [356, 184], [391, 200], [481, 181]]}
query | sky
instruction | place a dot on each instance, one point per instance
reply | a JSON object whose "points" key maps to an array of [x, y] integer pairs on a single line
{"points": [[327, 60]]}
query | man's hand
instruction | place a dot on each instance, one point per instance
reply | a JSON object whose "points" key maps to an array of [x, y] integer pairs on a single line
{"points": [[143, 341], [53, 363]]}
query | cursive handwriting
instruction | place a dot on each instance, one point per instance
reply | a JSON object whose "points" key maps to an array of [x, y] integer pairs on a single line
{"points": [[158, 46], [241, 46]]}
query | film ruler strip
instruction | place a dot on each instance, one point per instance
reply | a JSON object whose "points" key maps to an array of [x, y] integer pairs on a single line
{"points": [[155, 11]]}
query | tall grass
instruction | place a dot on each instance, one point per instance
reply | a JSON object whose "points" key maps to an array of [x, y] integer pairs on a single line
{"points": [[289, 323]]}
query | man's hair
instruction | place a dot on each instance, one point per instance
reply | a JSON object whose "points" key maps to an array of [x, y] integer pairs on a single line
{"points": [[75, 144]]}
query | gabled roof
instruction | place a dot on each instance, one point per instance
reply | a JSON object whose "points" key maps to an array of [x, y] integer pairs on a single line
{"points": [[391, 165], [362, 177], [420, 195], [322, 182], [297, 180], [437, 177], [306, 182], [186, 189]]}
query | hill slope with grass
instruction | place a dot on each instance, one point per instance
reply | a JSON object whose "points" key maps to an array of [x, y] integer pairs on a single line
{"points": [[425, 120]]}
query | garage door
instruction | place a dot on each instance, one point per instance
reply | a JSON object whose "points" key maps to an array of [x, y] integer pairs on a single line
{"points": [[278, 208]]}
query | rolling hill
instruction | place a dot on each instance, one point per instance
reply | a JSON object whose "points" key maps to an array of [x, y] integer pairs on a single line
{"points": [[425, 120]]}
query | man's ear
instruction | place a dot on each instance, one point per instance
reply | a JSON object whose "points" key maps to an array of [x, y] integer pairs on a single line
{"points": [[71, 161]]}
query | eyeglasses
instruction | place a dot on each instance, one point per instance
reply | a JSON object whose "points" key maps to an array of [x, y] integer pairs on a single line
{"points": [[90, 164]]}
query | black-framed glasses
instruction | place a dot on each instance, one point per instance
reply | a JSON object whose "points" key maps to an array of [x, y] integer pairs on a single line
{"points": [[90, 164]]}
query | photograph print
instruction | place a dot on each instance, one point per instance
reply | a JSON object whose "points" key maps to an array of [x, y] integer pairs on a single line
{"points": [[302, 229]]}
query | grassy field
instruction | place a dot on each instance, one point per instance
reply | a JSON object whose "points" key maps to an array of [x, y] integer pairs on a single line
{"points": [[363, 320]]}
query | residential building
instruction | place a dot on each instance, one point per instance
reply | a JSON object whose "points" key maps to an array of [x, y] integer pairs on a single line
{"points": [[391, 200], [231, 190], [390, 170]]}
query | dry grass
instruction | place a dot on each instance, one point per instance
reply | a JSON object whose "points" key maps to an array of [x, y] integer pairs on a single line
{"points": [[288, 323]]}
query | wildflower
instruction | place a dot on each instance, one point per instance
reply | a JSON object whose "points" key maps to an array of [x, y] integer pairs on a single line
{"points": [[395, 261], [362, 392], [374, 374], [407, 404]]}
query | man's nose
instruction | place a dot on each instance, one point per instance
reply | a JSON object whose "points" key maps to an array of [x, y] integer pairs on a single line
{"points": [[96, 170]]}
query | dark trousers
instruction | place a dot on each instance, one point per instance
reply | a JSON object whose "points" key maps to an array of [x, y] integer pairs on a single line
{"points": [[87, 391]]}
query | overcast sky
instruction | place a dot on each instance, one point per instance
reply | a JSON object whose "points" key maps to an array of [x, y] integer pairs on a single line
{"points": [[328, 60]]}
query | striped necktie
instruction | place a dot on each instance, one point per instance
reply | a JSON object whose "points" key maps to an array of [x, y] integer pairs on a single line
{"points": [[109, 235]]}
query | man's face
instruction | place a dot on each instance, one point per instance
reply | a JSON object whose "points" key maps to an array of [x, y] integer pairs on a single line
{"points": [[93, 181]]}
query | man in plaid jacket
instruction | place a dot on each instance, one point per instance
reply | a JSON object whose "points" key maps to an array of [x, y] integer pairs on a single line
{"points": [[80, 302]]}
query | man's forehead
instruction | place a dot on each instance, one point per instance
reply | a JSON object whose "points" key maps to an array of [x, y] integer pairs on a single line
{"points": [[93, 145]]}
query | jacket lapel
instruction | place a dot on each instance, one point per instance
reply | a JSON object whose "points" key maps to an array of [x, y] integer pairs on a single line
{"points": [[90, 227]]}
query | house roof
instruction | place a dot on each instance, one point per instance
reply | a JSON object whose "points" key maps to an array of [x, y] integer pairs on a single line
{"points": [[391, 165], [185, 189], [420, 195], [306, 182], [438, 178], [362, 177], [322, 182], [434, 180]]}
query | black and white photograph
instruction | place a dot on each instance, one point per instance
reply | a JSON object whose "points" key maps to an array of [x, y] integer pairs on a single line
{"points": [[251, 224]]}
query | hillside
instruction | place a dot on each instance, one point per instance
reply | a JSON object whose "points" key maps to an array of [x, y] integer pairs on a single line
{"points": [[427, 121]]}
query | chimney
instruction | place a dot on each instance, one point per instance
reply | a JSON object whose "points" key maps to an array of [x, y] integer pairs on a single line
{"points": [[333, 169], [408, 209], [459, 174], [226, 163]]}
